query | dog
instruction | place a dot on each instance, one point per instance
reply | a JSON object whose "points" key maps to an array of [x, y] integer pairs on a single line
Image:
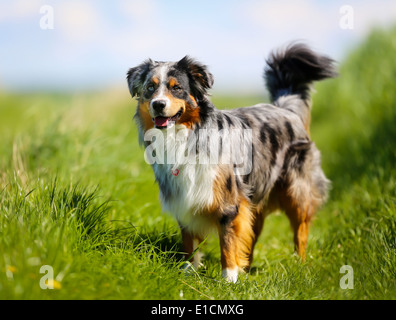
{"points": [[284, 170]]}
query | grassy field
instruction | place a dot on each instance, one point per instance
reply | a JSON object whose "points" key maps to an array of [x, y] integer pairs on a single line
{"points": [[77, 195]]}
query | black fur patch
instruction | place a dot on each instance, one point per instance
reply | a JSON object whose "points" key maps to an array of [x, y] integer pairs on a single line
{"points": [[274, 143], [296, 155], [228, 119], [200, 79], [301, 158], [289, 130], [220, 123], [206, 110], [263, 136], [291, 71], [229, 215], [229, 184], [245, 121]]}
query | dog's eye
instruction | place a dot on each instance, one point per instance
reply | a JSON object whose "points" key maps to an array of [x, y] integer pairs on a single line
{"points": [[150, 88], [176, 88]]}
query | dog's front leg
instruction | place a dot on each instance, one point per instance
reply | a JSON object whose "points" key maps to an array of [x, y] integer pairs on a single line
{"points": [[228, 247], [236, 241], [190, 244]]}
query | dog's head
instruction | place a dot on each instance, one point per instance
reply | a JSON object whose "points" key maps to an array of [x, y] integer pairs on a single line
{"points": [[169, 92]]}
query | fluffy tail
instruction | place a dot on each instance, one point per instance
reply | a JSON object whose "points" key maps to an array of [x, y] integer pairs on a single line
{"points": [[291, 72]]}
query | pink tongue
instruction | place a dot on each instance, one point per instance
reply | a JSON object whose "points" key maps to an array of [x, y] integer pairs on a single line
{"points": [[161, 121]]}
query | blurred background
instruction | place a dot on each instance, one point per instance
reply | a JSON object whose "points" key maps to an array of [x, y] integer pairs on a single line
{"points": [[89, 45]]}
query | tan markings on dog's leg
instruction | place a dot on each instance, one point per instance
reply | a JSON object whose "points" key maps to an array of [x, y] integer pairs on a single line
{"points": [[301, 238], [236, 241], [228, 255], [245, 232], [299, 213]]}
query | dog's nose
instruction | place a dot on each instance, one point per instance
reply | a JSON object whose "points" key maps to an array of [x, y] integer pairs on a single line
{"points": [[159, 105]]}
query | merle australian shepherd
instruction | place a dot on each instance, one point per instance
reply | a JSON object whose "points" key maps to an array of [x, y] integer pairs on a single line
{"points": [[284, 166]]}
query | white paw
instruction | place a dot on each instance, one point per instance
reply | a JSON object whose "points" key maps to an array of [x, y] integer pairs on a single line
{"points": [[230, 275]]}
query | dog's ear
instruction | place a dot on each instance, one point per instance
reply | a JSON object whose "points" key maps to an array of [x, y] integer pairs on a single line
{"points": [[200, 78], [137, 75]]}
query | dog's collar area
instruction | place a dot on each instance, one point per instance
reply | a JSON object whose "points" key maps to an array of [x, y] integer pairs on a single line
{"points": [[163, 122]]}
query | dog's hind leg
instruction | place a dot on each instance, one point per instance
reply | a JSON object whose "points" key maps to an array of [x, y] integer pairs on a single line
{"points": [[299, 214], [304, 190]]}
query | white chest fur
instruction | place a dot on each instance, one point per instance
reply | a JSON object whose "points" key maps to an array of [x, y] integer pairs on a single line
{"points": [[185, 184]]}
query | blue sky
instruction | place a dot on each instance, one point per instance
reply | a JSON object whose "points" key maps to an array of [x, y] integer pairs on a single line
{"points": [[93, 43]]}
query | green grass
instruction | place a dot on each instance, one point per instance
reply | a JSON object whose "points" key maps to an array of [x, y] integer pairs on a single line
{"points": [[76, 194]]}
